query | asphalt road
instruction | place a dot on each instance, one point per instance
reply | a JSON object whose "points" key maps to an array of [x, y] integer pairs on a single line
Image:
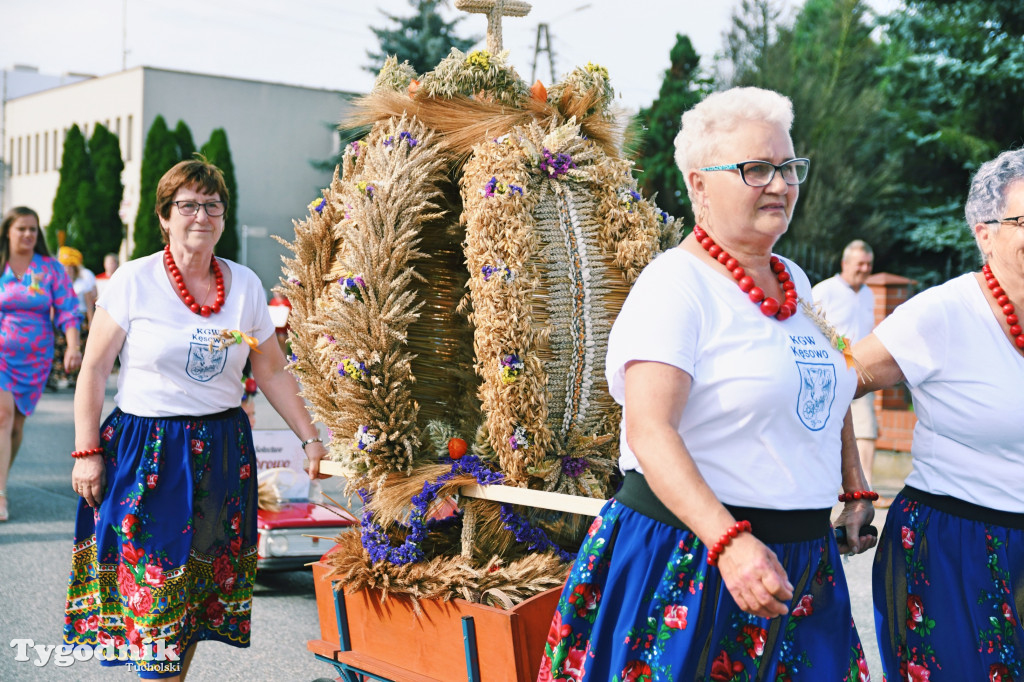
{"points": [[35, 558]]}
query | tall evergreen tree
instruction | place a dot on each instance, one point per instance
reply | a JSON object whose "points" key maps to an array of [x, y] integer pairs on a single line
{"points": [[161, 152], [99, 228], [423, 39], [217, 152], [75, 170], [955, 91], [183, 137], [682, 88]]}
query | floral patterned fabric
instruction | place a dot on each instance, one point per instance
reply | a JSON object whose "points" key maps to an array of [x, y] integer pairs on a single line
{"points": [[641, 604], [948, 593], [169, 557], [26, 327]]}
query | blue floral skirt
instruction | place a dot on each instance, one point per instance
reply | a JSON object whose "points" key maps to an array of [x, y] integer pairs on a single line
{"points": [[948, 585], [641, 603], [169, 557]]}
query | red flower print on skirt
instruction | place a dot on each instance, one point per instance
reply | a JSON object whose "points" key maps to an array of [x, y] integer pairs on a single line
{"points": [[998, 672], [131, 554], [805, 606], [675, 616], [128, 525], [915, 611], [908, 537], [197, 446], [723, 669], [636, 671]]}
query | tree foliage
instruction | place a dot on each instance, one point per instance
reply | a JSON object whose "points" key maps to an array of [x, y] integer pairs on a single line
{"points": [[217, 152], [183, 138], [161, 152], [98, 228], [954, 90], [423, 39], [75, 171], [683, 87]]}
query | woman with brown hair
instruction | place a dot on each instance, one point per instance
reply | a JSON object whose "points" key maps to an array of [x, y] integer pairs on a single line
{"points": [[165, 542], [35, 296]]}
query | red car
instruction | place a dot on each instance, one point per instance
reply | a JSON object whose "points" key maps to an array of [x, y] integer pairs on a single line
{"points": [[291, 537]]}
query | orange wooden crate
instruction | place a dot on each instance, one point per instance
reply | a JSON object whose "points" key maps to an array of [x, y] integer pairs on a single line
{"points": [[391, 639]]}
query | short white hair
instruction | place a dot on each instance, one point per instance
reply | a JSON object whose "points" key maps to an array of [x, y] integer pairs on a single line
{"points": [[721, 112]]}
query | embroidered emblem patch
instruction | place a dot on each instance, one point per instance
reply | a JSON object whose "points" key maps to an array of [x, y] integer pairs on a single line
{"points": [[203, 363], [817, 392]]}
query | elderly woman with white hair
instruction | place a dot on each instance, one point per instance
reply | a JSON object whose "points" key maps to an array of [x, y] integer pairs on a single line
{"points": [[949, 571], [716, 560]]}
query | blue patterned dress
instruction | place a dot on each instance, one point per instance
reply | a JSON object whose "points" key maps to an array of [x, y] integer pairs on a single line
{"points": [[29, 309]]}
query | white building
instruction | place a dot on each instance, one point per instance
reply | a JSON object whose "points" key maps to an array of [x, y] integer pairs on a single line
{"points": [[275, 132]]}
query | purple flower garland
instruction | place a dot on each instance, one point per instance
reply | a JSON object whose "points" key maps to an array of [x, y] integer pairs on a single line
{"points": [[378, 543]]}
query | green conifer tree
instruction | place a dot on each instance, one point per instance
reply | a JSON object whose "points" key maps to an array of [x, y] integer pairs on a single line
{"points": [[217, 152], [682, 88], [183, 137], [423, 39], [74, 170], [99, 229], [160, 154]]}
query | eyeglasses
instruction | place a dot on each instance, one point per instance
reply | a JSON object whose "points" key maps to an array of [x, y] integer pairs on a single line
{"points": [[190, 208], [761, 173], [1017, 220]]}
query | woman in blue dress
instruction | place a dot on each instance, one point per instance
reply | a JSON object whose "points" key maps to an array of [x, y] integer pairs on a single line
{"points": [[35, 295]]}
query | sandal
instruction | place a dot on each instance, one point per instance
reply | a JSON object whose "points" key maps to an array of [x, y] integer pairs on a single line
{"points": [[3, 499]]}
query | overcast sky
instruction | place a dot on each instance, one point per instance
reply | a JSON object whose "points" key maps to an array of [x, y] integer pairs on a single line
{"points": [[323, 43]]}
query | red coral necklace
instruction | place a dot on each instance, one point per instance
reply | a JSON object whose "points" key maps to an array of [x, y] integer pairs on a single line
{"points": [[188, 298], [768, 305], [1004, 302]]}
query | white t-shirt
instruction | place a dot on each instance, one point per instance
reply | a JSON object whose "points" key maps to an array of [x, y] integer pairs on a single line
{"points": [[851, 312], [83, 284], [967, 382], [768, 398], [167, 367]]}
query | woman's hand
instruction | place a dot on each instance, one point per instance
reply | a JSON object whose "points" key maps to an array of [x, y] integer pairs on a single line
{"points": [[314, 453], [856, 515], [88, 479], [72, 359], [754, 577]]}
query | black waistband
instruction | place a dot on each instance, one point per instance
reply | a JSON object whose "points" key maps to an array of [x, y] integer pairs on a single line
{"points": [[230, 413], [768, 525], [965, 510]]}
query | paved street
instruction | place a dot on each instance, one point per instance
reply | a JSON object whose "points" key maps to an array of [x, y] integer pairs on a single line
{"points": [[35, 555]]}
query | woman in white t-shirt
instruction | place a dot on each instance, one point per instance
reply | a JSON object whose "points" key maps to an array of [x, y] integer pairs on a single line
{"points": [[165, 540], [716, 559], [949, 571]]}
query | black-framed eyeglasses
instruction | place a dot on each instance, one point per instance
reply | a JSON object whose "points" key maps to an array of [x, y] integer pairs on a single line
{"points": [[213, 209], [1017, 220], [761, 173]]}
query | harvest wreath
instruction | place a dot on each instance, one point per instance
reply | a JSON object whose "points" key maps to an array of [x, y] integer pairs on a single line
{"points": [[469, 180]]}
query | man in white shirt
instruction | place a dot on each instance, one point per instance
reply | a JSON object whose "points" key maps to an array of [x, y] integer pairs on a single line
{"points": [[850, 307]]}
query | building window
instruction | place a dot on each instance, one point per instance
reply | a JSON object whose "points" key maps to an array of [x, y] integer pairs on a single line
{"points": [[46, 150], [36, 157], [128, 138], [19, 155], [117, 127], [56, 146], [10, 158]]}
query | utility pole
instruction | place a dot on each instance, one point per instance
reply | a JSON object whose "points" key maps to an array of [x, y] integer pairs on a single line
{"points": [[543, 33], [124, 35]]}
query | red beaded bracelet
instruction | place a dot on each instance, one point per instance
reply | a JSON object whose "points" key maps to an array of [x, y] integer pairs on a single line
{"points": [[85, 453], [858, 495], [734, 530]]}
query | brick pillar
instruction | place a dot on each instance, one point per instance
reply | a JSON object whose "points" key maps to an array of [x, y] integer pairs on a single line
{"points": [[889, 291], [895, 421]]}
